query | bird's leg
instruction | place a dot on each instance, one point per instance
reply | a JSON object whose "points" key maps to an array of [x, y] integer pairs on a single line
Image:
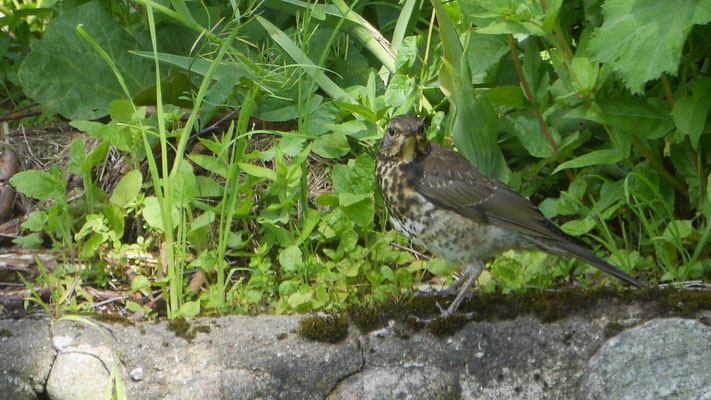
{"points": [[460, 297], [451, 290]]}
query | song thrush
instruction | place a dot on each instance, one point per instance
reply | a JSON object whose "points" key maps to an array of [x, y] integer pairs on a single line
{"points": [[442, 202]]}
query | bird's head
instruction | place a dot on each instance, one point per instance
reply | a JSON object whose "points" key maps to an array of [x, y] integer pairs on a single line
{"points": [[404, 138]]}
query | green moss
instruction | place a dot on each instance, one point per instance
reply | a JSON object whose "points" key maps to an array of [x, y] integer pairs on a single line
{"points": [[442, 327], [181, 328], [202, 329], [112, 319], [612, 329], [548, 306], [329, 328], [4, 333], [370, 317]]}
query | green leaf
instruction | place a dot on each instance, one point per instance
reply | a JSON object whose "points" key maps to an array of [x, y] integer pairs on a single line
{"points": [[358, 176], [387, 273], [300, 57], [140, 283], [644, 38], [680, 229], [483, 53], [209, 163], [259, 172], [400, 92], [202, 221], [299, 299], [37, 220], [236, 70], [406, 54], [449, 78], [529, 132], [690, 111], [331, 145], [112, 133], [31, 241], [189, 309], [127, 189], [510, 96], [585, 73], [597, 157], [347, 199], [65, 74], [362, 212], [152, 214], [438, 266], [475, 133], [36, 184], [579, 226], [290, 258]]}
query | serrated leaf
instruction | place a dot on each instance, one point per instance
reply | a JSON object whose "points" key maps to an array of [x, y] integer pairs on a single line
{"points": [[644, 38], [37, 220], [31, 241], [36, 184]]}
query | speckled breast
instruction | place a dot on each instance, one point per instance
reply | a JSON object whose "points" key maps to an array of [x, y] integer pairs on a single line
{"points": [[444, 233]]}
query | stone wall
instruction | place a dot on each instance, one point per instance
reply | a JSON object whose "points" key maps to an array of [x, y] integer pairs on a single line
{"points": [[607, 351]]}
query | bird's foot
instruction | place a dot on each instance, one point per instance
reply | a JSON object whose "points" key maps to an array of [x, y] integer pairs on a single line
{"points": [[444, 314], [449, 291]]}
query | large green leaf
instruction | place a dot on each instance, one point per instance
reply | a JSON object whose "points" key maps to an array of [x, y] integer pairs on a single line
{"points": [[475, 126], [65, 74], [644, 38], [690, 111]]}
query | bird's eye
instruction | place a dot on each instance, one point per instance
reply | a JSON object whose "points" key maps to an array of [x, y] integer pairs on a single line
{"points": [[390, 132]]}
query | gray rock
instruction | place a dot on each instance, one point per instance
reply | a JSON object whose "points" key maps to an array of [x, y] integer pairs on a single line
{"points": [[261, 358], [406, 382], [661, 359], [26, 354], [137, 374], [78, 374], [13, 388]]}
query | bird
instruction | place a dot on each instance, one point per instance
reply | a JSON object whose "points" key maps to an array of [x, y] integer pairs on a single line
{"points": [[442, 202]]}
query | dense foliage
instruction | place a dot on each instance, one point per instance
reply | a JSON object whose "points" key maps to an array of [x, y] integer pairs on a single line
{"points": [[597, 110]]}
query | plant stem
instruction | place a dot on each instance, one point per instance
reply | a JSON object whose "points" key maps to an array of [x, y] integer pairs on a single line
{"points": [[532, 100]]}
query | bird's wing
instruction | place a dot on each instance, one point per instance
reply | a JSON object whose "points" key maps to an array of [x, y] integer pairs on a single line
{"points": [[451, 182]]}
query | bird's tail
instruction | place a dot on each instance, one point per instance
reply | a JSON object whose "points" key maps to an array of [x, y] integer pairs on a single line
{"points": [[597, 262]]}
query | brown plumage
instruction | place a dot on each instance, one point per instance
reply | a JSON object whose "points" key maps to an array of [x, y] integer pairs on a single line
{"points": [[441, 201]]}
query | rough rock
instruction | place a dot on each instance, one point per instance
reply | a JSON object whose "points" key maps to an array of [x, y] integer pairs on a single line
{"points": [[598, 353], [26, 355], [661, 359]]}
